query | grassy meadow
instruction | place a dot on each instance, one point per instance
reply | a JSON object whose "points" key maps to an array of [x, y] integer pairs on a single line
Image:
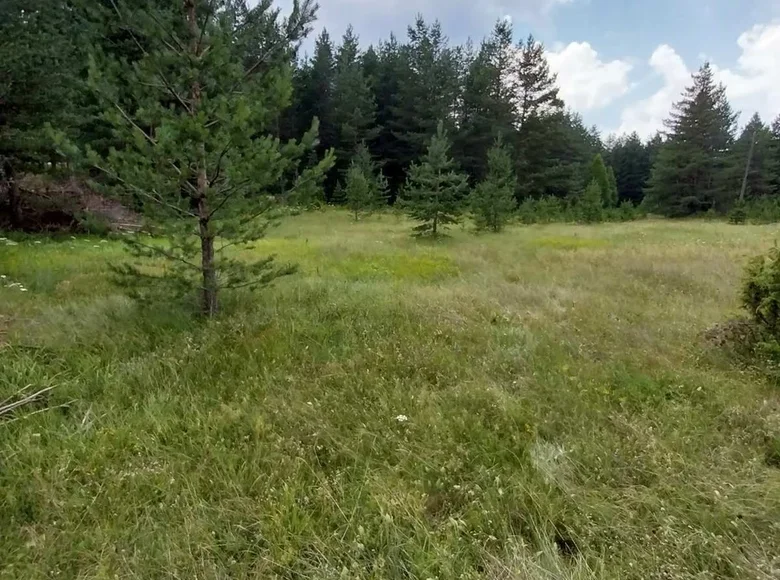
{"points": [[537, 404]]}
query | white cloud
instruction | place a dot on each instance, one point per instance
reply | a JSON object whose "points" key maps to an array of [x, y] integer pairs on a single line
{"points": [[647, 115], [587, 82], [752, 86]]}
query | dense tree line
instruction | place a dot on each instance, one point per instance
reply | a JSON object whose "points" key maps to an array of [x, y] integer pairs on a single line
{"points": [[203, 113], [388, 100]]}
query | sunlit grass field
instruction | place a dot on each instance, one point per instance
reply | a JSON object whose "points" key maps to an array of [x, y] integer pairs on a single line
{"points": [[537, 404]]}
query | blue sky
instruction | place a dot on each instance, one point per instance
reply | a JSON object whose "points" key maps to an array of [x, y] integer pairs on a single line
{"points": [[621, 63]]}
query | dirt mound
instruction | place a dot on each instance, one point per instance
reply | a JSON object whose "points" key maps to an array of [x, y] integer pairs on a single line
{"points": [[64, 205]]}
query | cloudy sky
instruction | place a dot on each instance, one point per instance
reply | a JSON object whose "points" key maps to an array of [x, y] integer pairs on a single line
{"points": [[621, 63]]}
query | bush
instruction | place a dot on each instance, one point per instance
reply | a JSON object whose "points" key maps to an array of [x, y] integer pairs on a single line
{"points": [[738, 215], [761, 298], [762, 210]]}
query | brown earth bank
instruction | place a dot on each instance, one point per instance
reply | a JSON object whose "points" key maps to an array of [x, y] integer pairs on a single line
{"points": [[62, 205]]}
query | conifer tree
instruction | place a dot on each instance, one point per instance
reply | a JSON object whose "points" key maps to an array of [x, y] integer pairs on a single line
{"points": [[752, 162], [487, 107], [364, 188], [543, 143], [374, 175], [434, 191], [630, 159], [314, 87], [613, 189], [357, 191], [774, 153], [353, 108], [42, 55], [688, 173], [428, 89], [193, 115], [493, 200], [590, 204], [600, 174]]}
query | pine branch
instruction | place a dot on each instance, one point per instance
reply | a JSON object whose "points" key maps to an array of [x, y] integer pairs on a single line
{"points": [[135, 125], [145, 194], [165, 253]]}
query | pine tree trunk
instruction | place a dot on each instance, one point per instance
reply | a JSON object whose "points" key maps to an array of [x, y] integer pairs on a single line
{"points": [[14, 199], [209, 304], [435, 221]]}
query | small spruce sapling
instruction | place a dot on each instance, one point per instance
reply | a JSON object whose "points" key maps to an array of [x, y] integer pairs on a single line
{"points": [[434, 191], [590, 203], [493, 200]]}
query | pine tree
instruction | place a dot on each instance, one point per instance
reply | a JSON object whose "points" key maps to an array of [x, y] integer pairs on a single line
{"points": [[353, 108], [688, 174], [487, 107], [41, 64], [612, 200], [590, 204], [365, 188], [493, 200], [376, 180], [775, 155], [193, 116], [428, 89], [599, 174], [752, 162], [434, 191], [357, 191], [533, 83], [313, 98], [630, 159], [543, 137], [386, 76]]}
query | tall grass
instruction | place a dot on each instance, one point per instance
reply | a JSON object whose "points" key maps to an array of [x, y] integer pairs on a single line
{"points": [[534, 404]]}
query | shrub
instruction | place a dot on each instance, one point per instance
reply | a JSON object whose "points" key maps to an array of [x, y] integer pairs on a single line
{"points": [[762, 210], [738, 214], [761, 299]]}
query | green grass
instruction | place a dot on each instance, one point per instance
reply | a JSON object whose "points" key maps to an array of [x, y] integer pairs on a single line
{"points": [[538, 404]]}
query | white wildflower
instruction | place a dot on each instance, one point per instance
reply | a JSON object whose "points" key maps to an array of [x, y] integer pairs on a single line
{"points": [[402, 418], [37, 242]]}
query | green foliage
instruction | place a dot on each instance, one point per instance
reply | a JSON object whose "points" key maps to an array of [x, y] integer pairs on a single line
{"points": [[353, 108], [590, 207], [613, 196], [428, 88], [752, 160], [762, 210], [42, 57], [630, 159], [493, 200], [689, 172], [605, 180], [761, 298], [194, 118], [435, 189], [488, 107], [738, 214], [761, 291], [360, 191]]}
